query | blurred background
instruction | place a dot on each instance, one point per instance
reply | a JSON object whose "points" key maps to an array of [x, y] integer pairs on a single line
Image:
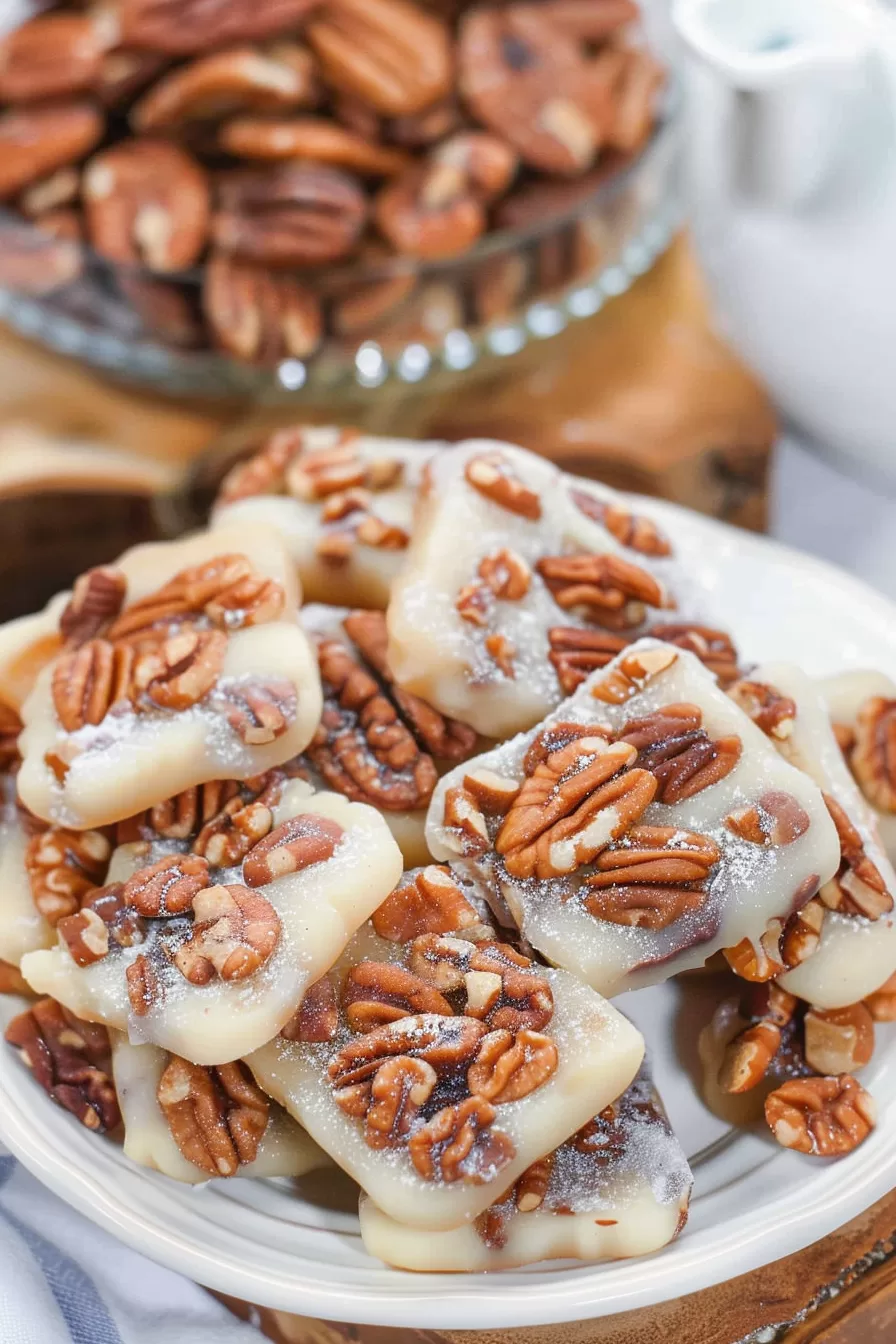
{"points": [[650, 241]]}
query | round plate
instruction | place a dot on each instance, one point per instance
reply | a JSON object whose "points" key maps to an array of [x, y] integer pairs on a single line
{"points": [[753, 1202]]}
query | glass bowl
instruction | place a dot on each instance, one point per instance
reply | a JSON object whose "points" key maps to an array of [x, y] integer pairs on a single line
{"points": [[565, 249]]}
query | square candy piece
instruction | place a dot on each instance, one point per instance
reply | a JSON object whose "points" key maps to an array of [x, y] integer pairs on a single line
{"points": [[376, 743], [436, 1067], [192, 1123], [644, 825], [519, 581], [183, 663], [342, 501], [843, 947], [205, 945], [619, 1187]]}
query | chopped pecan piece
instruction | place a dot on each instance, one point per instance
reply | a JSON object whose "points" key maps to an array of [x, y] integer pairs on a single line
{"points": [[750, 1053], [180, 671], [317, 1017], [681, 755], [446, 738], [459, 1144], [378, 992], [635, 671], [167, 887], [217, 1116], [509, 1067], [825, 1117], [572, 806], [857, 888], [228, 837], [631, 529], [431, 903], [258, 711], [494, 477], [88, 681], [611, 591], [362, 747], [772, 712], [236, 931], [70, 1059], [292, 846], [63, 868], [658, 875], [838, 1040], [714, 648], [873, 757], [576, 653], [96, 600], [775, 819]]}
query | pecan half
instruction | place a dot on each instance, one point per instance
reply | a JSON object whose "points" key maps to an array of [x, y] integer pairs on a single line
{"points": [[825, 1117], [35, 141], [772, 712], [289, 214], [858, 887], [873, 757], [607, 589], [292, 846], [714, 648], [70, 1059], [258, 711], [87, 682], [236, 931], [680, 754], [776, 818], [634, 672], [146, 201], [749, 1054], [317, 1017], [180, 671], [227, 838], [63, 868], [375, 993], [576, 653], [362, 747], [631, 529], [226, 82], [509, 1067], [431, 903], [838, 1040], [259, 315], [493, 475], [180, 27], [459, 1144], [572, 806], [445, 738], [167, 887], [391, 54], [658, 875], [97, 598], [217, 1116]]}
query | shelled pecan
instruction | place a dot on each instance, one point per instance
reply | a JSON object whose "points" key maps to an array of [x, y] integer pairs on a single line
{"points": [[71, 1061], [217, 1116]]}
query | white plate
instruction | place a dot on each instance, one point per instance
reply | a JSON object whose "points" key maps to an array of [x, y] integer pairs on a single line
{"points": [[753, 1202]]}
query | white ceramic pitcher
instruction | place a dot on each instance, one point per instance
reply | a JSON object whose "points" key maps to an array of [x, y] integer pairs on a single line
{"points": [[791, 145]]}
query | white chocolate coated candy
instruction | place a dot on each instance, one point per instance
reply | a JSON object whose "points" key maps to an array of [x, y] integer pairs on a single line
{"points": [[341, 552], [617, 1189], [129, 760], [855, 955], [599, 1053], [845, 694], [285, 1149], [319, 908], [748, 884], [462, 534]]}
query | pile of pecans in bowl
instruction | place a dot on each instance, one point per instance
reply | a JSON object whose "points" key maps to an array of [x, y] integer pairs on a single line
{"points": [[301, 159]]}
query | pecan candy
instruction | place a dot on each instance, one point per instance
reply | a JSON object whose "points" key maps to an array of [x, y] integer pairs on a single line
{"points": [[202, 674], [616, 831], [293, 214], [618, 1186], [451, 1050], [201, 947], [70, 1059]]}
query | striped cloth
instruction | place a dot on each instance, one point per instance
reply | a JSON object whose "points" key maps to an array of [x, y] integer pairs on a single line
{"points": [[64, 1281]]}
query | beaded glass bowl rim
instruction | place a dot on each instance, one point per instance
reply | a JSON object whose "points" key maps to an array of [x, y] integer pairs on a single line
{"points": [[754, 1203]]}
